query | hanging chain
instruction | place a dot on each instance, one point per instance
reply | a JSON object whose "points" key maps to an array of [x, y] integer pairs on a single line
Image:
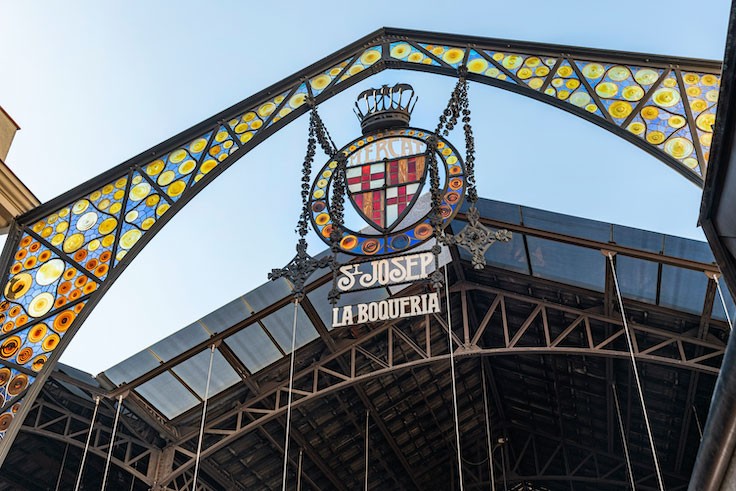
{"points": [[301, 267]]}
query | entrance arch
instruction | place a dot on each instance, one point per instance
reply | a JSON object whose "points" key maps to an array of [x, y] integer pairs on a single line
{"points": [[61, 257]]}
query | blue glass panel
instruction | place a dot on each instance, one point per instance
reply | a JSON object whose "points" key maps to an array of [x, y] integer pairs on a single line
{"points": [[509, 255], [568, 225], [638, 239], [637, 278], [319, 301], [280, 324], [132, 368], [688, 249], [683, 289], [226, 316], [180, 341], [194, 373], [167, 395], [496, 210], [254, 348], [567, 263], [267, 294]]}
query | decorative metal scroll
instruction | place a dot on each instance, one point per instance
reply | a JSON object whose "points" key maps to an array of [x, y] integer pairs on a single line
{"points": [[60, 258]]}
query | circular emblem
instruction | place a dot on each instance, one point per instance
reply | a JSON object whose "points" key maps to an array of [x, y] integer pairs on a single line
{"points": [[385, 174]]}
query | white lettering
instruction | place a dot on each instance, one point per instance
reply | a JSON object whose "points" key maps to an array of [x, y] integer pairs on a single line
{"points": [[389, 309]]}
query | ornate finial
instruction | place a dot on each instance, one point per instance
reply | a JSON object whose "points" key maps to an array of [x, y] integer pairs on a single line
{"points": [[387, 107], [476, 238]]}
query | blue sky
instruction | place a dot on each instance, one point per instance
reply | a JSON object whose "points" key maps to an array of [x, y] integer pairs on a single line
{"points": [[95, 83]]}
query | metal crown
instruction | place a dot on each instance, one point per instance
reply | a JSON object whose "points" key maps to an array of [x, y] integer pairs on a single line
{"points": [[387, 107]]}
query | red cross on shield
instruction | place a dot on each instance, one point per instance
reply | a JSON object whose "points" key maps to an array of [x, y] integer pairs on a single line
{"points": [[383, 192]]}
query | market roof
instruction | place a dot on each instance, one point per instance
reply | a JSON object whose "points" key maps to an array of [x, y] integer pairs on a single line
{"points": [[538, 340]]}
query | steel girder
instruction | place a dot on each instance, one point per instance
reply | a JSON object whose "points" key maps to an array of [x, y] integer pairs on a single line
{"points": [[94, 252], [376, 353]]}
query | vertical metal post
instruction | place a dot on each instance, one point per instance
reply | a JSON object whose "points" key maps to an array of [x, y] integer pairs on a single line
{"points": [[454, 387], [288, 404]]}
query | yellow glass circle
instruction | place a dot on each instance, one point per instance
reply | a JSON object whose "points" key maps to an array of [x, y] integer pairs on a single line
{"points": [[357, 68], [131, 216], [177, 156], [636, 128], [620, 109], [46, 232], [118, 194], [649, 112], [691, 78], [95, 196], [152, 200], [221, 136], [284, 111], [370, 57], [706, 139], [655, 137], [140, 191], [163, 208], [693, 91], [40, 304], [563, 94], [18, 286], [541, 71], [189, 165], [107, 226], [62, 227], [102, 205], [646, 76], [245, 137], [676, 121], [512, 61], [129, 238], [256, 124], [698, 105], [564, 71], [536, 83], [453, 55], [618, 73], [632, 93], [57, 239], [669, 82], [198, 145], [176, 188], [524, 73], [207, 166], [709, 80], [572, 84], [154, 168], [606, 90], [80, 206], [558, 82], [318, 194], [73, 243], [416, 57], [706, 121], [711, 96], [679, 147], [120, 183], [579, 99], [166, 178], [108, 240], [64, 212], [400, 51], [549, 91], [148, 223], [593, 70], [115, 208], [478, 65], [268, 108], [493, 72], [108, 189], [94, 245]]}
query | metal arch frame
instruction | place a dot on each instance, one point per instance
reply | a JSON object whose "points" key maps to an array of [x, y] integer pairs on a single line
{"points": [[351, 53]]}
